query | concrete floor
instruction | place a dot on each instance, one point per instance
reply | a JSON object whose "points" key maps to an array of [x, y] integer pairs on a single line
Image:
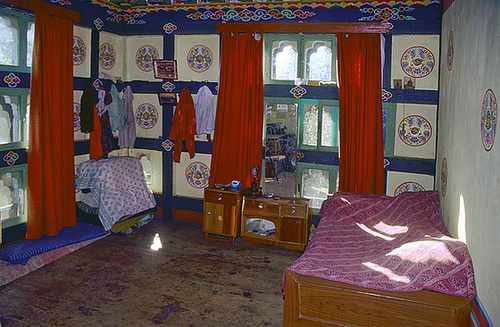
{"points": [[121, 281]]}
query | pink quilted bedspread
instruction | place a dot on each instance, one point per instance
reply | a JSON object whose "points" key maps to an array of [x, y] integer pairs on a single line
{"points": [[395, 244]]}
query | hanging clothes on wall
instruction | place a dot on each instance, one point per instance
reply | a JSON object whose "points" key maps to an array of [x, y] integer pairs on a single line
{"points": [[115, 109], [204, 109], [87, 108], [184, 125], [126, 138], [95, 136]]}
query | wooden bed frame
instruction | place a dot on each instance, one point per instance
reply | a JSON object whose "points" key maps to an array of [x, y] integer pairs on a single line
{"points": [[312, 301]]}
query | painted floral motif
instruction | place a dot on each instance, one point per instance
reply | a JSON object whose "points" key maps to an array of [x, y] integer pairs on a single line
{"points": [[76, 117], [451, 52], [197, 174], [169, 28], [489, 112], [386, 95], [444, 176], [98, 23], [395, 13], [298, 91], [250, 14], [168, 145], [107, 56], [12, 80], [10, 158], [168, 86], [199, 58], [408, 187], [79, 51], [128, 18], [414, 130], [146, 116], [417, 61], [145, 56]]}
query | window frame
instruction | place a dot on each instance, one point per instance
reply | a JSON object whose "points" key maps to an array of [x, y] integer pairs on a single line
{"points": [[24, 19], [300, 122], [22, 218], [301, 40], [23, 95]]}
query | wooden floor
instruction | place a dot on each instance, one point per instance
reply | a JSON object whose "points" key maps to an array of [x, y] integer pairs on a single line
{"points": [[121, 281]]}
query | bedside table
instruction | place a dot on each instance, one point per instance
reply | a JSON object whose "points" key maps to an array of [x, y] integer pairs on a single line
{"points": [[281, 221], [221, 211]]}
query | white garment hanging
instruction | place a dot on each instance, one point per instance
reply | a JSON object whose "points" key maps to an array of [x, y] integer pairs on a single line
{"points": [[204, 110], [126, 138]]}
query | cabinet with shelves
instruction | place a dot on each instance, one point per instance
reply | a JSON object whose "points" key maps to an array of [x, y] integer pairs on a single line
{"points": [[221, 211], [281, 221]]}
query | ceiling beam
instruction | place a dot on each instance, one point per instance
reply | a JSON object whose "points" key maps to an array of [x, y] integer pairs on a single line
{"points": [[321, 28], [46, 8]]}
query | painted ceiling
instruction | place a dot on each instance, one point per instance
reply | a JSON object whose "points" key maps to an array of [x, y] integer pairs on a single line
{"points": [[153, 5]]}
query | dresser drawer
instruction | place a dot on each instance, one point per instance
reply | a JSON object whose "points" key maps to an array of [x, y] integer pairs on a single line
{"points": [[219, 197], [261, 207], [291, 210]]}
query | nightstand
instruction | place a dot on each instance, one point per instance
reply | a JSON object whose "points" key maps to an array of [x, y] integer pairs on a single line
{"points": [[221, 211]]}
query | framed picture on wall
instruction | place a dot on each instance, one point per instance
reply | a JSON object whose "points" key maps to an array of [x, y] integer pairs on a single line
{"points": [[165, 68], [167, 98]]}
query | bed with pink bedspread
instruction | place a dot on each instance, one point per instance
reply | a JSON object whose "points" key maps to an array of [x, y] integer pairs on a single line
{"points": [[380, 260]]}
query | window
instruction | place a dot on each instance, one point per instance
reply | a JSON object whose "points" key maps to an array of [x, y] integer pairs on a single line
{"points": [[16, 46], [318, 125], [300, 58], [17, 31], [316, 182]]}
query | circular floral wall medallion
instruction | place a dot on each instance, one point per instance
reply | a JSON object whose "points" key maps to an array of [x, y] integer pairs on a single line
{"points": [[107, 56], [76, 116], [417, 61], [451, 52], [79, 51], [146, 116], [444, 176], [199, 58], [489, 112], [414, 130], [408, 187], [197, 174], [145, 56]]}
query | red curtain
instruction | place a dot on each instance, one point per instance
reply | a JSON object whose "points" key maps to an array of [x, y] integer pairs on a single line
{"points": [[237, 145], [50, 173], [360, 117]]}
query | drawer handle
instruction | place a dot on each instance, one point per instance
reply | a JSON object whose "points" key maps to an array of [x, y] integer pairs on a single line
{"points": [[261, 206], [209, 213], [220, 198], [220, 218], [293, 211]]}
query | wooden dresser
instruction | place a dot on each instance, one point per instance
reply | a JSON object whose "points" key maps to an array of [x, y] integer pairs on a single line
{"points": [[221, 211], [278, 221]]}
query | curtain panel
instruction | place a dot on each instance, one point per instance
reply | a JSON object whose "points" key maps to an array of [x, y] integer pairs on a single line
{"points": [[360, 117], [237, 145], [50, 172]]}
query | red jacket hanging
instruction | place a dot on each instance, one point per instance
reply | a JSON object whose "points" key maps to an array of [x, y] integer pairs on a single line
{"points": [[184, 125]]}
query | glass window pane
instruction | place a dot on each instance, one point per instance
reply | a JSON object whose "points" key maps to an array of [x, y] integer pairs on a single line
{"points": [[8, 41], [310, 119], [330, 126], [284, 65], [318, 61], [30, 37], [11, 195], [315, 186], [11, 119]]}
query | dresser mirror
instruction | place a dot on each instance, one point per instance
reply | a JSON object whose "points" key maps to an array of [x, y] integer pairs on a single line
{"points": [[280, 167]]}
